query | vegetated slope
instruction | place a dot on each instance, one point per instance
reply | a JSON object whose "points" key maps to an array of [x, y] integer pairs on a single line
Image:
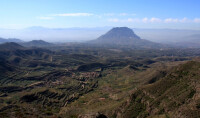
{"points": [[19, 55], [43, 96], [10, 46], [123, 36], [5, 66], [175, 95]]}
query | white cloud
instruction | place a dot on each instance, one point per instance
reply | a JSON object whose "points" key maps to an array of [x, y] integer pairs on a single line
{"points": [[135, 20], [133, 14], [130, 20], [98, 16], [145, 20], [114, 20], [74, 14], [155, 20], [123, 20], [171, 20], [151, 20], [119, 14], [184, 20], [126, 14], [197, 20], [45, 18], [108, 14], [88, 14], [123, 14]]}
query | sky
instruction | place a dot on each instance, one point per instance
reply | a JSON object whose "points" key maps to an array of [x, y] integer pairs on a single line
{"points": [[173, 14]]}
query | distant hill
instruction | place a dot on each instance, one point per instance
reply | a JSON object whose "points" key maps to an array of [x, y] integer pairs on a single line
{"points": [[191, 41], [10, 46], [3, 40], [50, 34], [36, 43], [13, 54], [123, 36]]}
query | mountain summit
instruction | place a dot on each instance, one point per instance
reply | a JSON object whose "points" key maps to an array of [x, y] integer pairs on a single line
{"points": [[123, 36], [120, 33]]}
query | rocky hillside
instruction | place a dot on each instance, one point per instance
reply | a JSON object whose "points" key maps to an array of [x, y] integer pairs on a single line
{"points": [[175, 95]]}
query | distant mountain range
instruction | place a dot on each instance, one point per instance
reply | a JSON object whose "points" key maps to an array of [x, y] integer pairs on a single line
{"points": [[54, 34], [3, 40], [85, 34], [13, 42], [123, 36], [176, 37]]}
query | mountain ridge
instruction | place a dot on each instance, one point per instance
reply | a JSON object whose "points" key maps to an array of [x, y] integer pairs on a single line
{"points": [[10, 46], [3, 40], [37, 43]]}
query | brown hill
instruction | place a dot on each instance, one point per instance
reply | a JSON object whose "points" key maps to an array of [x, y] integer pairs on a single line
{"points": [[175, 95]]}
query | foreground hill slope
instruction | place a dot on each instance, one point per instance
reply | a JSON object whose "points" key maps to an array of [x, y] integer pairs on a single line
{"points": [[175, 95], [123, 36]]}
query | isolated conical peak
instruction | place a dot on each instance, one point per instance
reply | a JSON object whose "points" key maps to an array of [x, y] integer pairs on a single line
{"points": [[121, 32]]}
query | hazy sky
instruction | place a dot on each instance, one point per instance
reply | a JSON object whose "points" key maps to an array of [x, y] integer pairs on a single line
{"points": [[179, 14]]}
